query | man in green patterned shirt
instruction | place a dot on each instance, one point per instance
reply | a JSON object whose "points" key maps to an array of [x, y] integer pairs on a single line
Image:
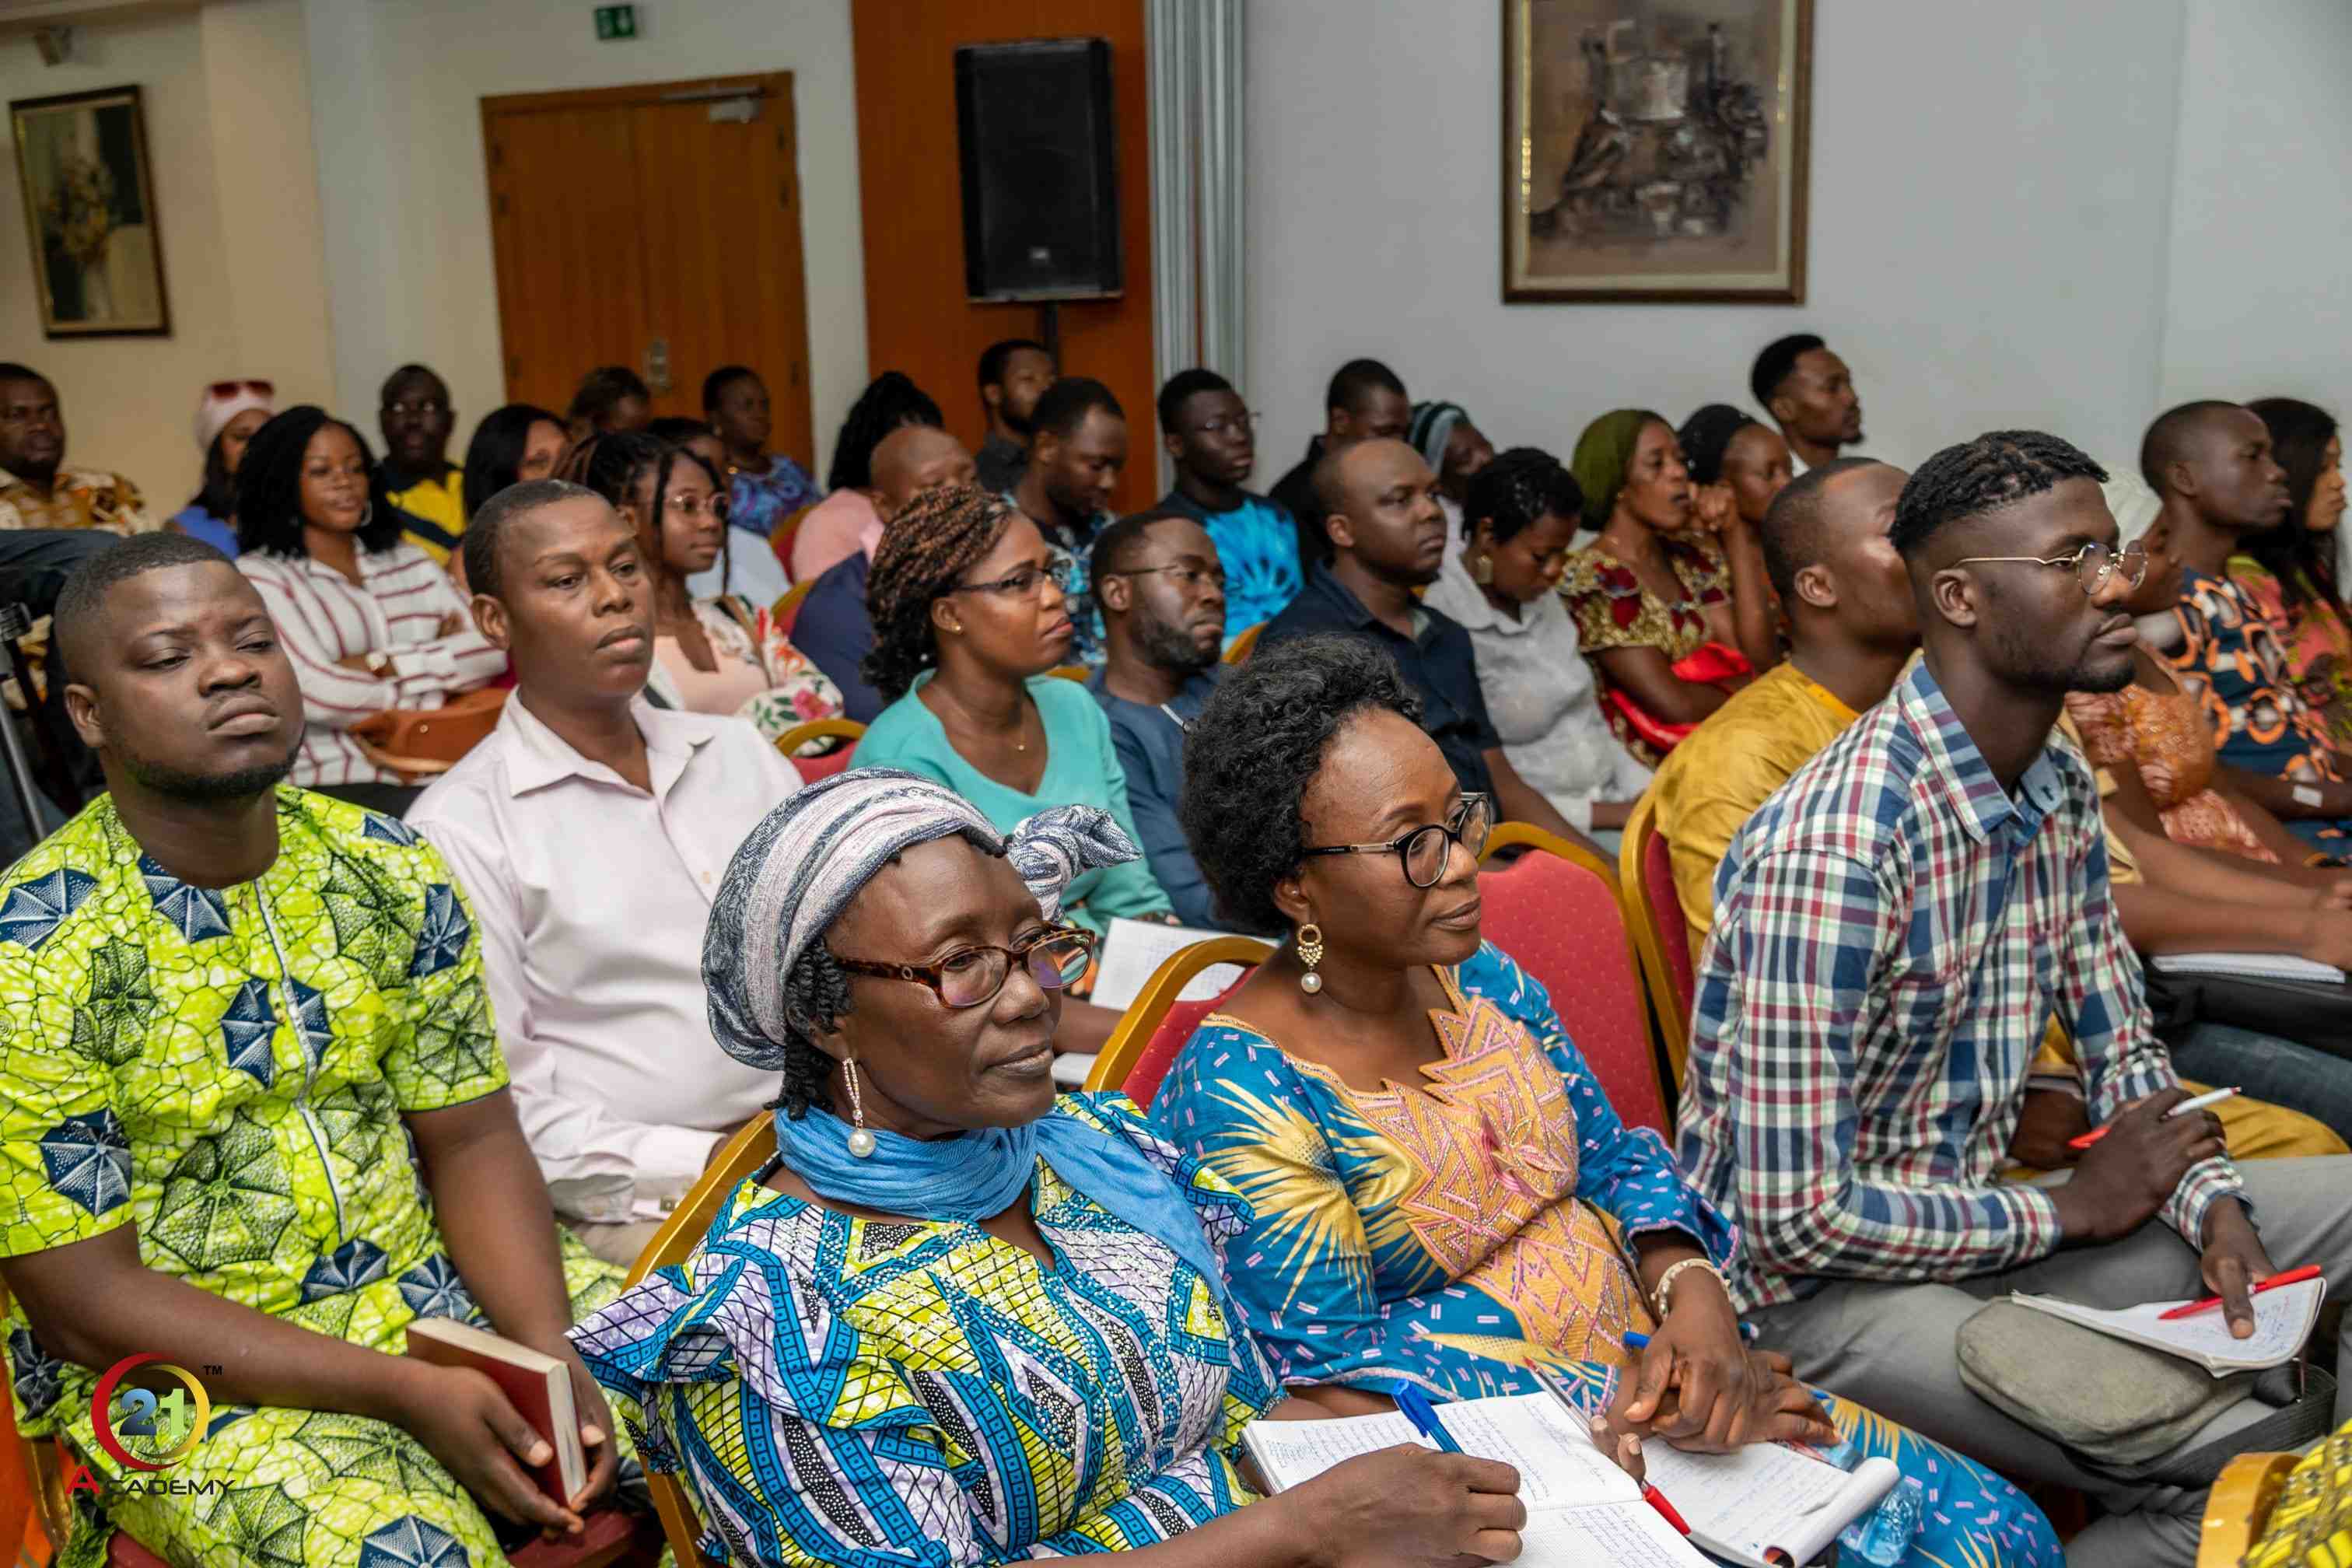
{"points": [[254, 1118]]}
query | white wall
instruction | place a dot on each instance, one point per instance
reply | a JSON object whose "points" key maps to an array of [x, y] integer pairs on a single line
{"points": [[401, 169], [246, 297], [2259, 297], [1990, 196]]}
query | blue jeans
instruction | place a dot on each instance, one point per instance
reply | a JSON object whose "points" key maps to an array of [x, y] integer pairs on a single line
{"points": [[2267, 1068]]}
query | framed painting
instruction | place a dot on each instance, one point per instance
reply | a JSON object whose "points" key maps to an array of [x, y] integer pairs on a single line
{"points": [[1656, 150], [89, 213]]}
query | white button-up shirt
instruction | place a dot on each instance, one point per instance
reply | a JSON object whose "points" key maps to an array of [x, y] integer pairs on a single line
{"points": [[592, 894]]}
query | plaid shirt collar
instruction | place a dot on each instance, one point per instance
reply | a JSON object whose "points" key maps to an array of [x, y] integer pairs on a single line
{"points": [[1961, 771]]}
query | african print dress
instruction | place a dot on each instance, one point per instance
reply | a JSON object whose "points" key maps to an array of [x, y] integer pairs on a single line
{"points": [[228, 1067], [2315, 638], [839, 1390], [1458, 1233], [1613, 609]]}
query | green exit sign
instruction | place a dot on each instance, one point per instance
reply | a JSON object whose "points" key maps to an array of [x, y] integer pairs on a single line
{"points": [[615, 22]]}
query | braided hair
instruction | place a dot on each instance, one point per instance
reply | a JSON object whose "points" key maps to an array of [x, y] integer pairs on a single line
{"points": [[612, 463], [2299, 436], [933, 541], [816, 997], [1998, 469], [891, 400], [1517, 488]]}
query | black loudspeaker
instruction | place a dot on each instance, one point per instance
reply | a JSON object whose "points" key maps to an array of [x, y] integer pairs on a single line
{"points": [[1040, 170]]}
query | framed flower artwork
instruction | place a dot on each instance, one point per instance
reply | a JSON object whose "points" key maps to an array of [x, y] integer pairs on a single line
{"points": [[89, 213]]}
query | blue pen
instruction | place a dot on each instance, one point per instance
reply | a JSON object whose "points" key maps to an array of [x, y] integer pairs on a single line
{"points": [[1635, 1342], [1423, 1416]]}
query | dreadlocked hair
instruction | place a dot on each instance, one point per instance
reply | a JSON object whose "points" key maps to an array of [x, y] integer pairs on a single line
{"points": [[1998, 469], [891, 400], [817, 995], [933, 541], [612, 462]]}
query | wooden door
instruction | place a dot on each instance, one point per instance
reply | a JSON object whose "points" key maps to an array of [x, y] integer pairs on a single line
{"points": [[655, 226]]}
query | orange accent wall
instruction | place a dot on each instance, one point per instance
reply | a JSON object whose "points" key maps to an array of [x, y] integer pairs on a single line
{"points": [[917, 318]]}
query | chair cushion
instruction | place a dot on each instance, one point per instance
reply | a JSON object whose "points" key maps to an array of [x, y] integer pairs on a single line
{"points": [[1144, 1078], [1561, 924], [1667, 915]]}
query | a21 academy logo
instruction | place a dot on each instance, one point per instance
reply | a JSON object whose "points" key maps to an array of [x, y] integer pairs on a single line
{"points": [[142, 1429]]}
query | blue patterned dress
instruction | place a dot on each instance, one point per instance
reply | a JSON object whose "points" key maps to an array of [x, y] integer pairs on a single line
{"points": [[757, 503], [1457, 1233], [859, 1391]]}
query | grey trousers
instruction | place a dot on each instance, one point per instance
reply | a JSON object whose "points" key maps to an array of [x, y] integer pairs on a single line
{"points": [[619, 1243], [1889, 1347]]}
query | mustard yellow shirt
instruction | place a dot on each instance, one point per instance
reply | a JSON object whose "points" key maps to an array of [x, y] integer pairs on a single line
{"points": [[438, 504]]}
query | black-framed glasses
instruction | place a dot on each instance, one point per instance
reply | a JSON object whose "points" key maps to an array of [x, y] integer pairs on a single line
{"points": [[1025, 583], [2092, 565], [1186, 574], [1424, 851], [971, 977]]}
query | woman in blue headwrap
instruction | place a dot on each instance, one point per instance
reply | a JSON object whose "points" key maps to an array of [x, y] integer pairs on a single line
{"points": [[959, 1321]]}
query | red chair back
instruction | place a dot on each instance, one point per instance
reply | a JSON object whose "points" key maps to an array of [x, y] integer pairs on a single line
{"points": [[1667, 917], [1151, 1069], [1555, 912], [814, 768]]}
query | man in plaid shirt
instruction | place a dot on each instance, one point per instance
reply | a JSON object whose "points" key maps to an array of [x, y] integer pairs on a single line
{"points": [[1892, 929]]}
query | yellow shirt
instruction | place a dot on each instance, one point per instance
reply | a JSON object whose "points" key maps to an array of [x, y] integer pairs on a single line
{"points": [[438, 504], [1714, 780]]}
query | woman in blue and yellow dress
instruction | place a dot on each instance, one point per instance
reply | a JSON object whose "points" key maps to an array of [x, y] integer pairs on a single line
{"points": [[959, 1321], [1444, 1196]]}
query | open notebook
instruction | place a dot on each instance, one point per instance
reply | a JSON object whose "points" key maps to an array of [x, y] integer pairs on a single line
{"points": [[1583, 1510], [2283, 1323], [2246, 967]]}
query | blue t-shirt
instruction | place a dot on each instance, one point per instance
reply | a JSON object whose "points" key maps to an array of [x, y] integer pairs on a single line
{"points": [[197, 523], [1257, 545]]}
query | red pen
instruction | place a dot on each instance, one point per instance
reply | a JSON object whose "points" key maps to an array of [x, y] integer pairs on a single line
{"points": [[2292, 1277], [2183, 1109], [1657, 1500]]}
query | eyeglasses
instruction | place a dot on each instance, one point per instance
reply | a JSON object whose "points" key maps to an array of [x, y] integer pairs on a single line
{"points": [[1021, 584], [1425, 850], [687, 504], [1246, 420], [1186, 575], [2092, 563], [231, 388], [971, 977]]}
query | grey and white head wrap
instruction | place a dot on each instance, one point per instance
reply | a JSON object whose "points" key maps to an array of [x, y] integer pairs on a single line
{"points": [[804, 862]]}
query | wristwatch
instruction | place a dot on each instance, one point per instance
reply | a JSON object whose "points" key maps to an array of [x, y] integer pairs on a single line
{"points": [[377, 661]]}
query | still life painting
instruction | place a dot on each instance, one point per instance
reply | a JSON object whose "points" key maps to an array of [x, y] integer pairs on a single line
{"points": [[90, 213]]}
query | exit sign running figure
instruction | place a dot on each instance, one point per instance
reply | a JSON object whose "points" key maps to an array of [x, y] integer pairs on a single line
{"points": [[615, 22]]}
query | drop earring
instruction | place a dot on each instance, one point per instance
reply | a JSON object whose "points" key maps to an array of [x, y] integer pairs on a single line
{"points": [[1484, 572], [861, 1142], [1310, 953]]}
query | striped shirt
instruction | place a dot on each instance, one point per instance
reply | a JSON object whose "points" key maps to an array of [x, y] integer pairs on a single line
{"points": [[1892, 929], [398, 607]]}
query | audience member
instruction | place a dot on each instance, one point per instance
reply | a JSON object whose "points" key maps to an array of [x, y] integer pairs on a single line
{"points": [[1455, 450], [277, 1130], [746, 568], [848, 521], [1722, 447], [34, 565], [1672, 629], [227, 415], [518, 442], [1854, 626], [37, 490], [1809, 393], [937, 1206], [2290, 570], [612, 397], [968, 616], [1388, 541], [1077, 450], [418, 478], [720, 655], [1441, 1195], [1501, 585], [594, 962], [1162, 591], [2211, 466], [1862, 1176], [1211, 439], [833, 626], [1013, 374], [369, 621], [763, 487], [1364, 402]]}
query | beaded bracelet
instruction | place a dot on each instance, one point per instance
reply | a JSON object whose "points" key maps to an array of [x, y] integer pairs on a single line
{"points": [[1660, 1297]]}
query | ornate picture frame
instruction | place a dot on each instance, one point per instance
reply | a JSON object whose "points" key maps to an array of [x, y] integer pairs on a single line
{"points": [[89, 213], [1656, 151]]}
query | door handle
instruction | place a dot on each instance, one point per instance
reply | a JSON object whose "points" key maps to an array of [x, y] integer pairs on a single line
{"points": [[658, 365]]}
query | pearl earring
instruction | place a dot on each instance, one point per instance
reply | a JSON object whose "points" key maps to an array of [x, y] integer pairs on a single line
{"points": [[1310, 953], [861, 1142]]}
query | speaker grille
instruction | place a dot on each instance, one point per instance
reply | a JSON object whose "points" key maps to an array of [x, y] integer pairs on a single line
{"points": [[1040, 170]]}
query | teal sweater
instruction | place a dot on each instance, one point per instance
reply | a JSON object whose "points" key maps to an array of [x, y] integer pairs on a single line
{"points": [[1081, 769]]}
